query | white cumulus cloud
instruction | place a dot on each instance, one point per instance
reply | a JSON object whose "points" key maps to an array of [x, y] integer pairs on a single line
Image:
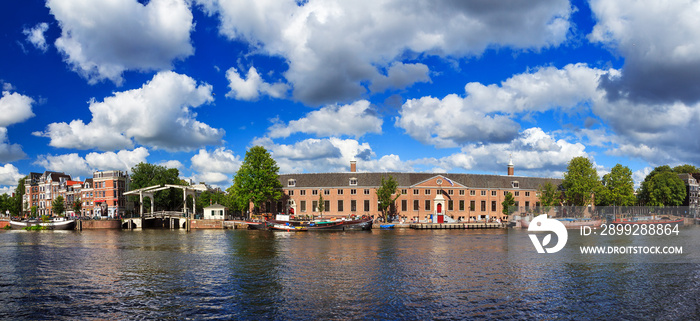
{"points": [[253, 86], [9, 175], [354, 119], [157, 115], [102, 39], [334, 48], [77, 166], [215, 167], [36, 36]]}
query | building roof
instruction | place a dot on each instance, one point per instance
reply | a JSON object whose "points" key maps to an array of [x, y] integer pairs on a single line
{"points": [[215, 206], [406, 180]]}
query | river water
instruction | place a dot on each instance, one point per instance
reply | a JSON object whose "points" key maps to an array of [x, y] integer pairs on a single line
{"points": [[260, 275]]}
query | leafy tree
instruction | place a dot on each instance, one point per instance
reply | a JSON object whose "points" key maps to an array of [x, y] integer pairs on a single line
{"points": [[686, 169], [549, 196], [6, 203], [77, 206], [507, 203], [209, 198], [384, 195], [321, 204], [580, 181], [618, 188], [644, 194], [58, 205], [17, 205], [257, 180], [145, 175], [34, 210], [666, 189]]}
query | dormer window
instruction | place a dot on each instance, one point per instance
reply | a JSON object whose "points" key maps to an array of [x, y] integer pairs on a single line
{"points": [[515, 184], [353, 181], [292, 183]]}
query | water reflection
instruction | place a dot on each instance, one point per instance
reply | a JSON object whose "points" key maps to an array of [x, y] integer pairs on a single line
{"points": [[400, 274]]}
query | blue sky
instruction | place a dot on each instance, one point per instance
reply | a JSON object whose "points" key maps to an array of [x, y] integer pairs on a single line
{"points": [[436, 86]]}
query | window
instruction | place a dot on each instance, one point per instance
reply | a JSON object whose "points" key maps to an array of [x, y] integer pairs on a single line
{"points": [[340, 205], [515, 184], [483, 206], [279, 206], [493, 193], [527, 204], [427, 192], [415, 192], [366, 191], [292, 183], [527, 194], [366, 205], [461, 205], [472, 205], [493, 206], [427, 205], [314, 192], [450, 192], [353, 206], [302, 192], [404, 205], [327, 206], [353, 191], [416, 205], [483, 193], [326, 192], [314, 206], [438, 192], [461, 192], [404, 192], [505, 193], [291, 193], [450, 206], [340, 191], [517, 193], [353, 181]]}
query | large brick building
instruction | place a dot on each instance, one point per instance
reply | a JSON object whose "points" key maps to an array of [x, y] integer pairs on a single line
{"points": [[460, 196]]}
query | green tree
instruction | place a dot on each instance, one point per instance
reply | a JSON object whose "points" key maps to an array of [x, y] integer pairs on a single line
{"points": [[6, 203], [257, 180], [549, 196], [146, 175], [686, 169], [644, 194], [385, 195], [209, 198], [618, 188], [508, 201], [58, 205], [34, 210], [17, 206], [580, 181], [666, 189], [77, 206], [321, 204]]}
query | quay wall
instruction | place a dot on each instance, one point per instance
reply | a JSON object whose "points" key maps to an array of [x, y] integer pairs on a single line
{"points": [[100, 224], [4, 223], [207, 224]]}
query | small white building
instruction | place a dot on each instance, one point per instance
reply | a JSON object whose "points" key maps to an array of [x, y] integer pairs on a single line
{"points": [[215, 212]]}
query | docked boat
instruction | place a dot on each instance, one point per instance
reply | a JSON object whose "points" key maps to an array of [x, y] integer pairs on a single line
{"points": [[648, 220], [258, 225], [282, 222], [287, 227], [386, 226], [569, 222], [54, 224]]}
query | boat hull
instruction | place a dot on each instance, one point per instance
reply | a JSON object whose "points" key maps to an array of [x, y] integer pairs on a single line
{"points": [[258, 225], [570, 223], [649, 222], [56, 225]]}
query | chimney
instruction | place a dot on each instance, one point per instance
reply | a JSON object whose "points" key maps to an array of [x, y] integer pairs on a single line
{"points": [[353, 166], [511, 168]]}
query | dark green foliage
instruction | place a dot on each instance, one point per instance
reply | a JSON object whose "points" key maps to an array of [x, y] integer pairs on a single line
{"points": [[146, 175], [617, 188], [385, 196], [580, 182], [256, 181], [507, 203]]}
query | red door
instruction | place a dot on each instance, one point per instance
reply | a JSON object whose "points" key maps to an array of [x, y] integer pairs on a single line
{"points": [[439, 208]]}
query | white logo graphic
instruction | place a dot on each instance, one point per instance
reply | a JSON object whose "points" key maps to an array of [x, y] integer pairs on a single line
{"points": [[543, 224]]}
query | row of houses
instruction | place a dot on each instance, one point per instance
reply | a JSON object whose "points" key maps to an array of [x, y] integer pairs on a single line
{"points": [[102, 195]]}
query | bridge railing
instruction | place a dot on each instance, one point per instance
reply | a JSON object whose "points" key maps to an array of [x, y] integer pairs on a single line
{"points": [[168, 214]]}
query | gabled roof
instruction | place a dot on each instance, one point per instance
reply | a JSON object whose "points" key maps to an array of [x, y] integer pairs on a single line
{"points": [[408, 180], [215, 206]]}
